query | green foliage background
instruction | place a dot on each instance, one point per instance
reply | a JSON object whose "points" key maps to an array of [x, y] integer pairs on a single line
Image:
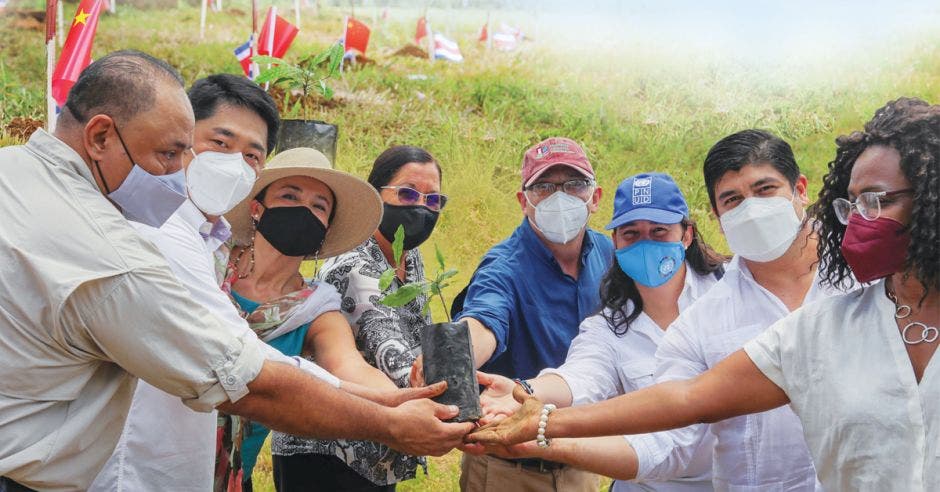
{"points": [[636, 106]]}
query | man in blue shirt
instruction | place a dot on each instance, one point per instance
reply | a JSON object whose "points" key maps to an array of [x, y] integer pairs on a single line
{"points": [[531, 292]]}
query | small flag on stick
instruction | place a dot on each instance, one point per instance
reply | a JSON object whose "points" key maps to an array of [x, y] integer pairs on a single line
{"points": [[355, 36], [243, 54], [276, 36], [421, 30], [76, 55], [446, 49]]}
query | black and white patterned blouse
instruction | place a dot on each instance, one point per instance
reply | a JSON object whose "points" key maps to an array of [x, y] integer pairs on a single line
{"points": [[388, 338]]}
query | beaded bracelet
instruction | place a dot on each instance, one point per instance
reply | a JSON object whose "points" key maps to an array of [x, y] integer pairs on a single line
{"points": [[540, 438]]}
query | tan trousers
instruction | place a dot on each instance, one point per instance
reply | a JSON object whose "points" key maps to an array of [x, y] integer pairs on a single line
{"points": [[491, 474]]}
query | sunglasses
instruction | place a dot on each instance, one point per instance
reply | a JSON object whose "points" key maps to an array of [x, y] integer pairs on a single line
{"points": [[411, 196]]}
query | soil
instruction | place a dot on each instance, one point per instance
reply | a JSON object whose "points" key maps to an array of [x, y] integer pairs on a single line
{"points": [[28, 20], [360, 62], [312, 100], [411, 50], [21, 128]]}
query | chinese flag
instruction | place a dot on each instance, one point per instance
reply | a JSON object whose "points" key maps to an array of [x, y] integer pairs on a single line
{"points": [[483, 33], [422, 30], [76, 53], [357, 36], [276, 35]]}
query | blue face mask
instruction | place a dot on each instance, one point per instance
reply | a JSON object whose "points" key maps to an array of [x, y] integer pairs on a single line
{"points": [[651, 263], [146, 198]]}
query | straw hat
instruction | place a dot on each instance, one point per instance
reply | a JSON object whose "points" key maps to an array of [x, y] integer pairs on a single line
{"points": [[356, 212]]}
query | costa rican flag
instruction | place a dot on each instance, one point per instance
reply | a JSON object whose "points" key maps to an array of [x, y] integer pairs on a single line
{"points": [[446, 49], [243, 54]]}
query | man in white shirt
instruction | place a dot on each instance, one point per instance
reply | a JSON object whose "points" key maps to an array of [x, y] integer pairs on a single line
{"points": [[87, 305], [758, 194]]}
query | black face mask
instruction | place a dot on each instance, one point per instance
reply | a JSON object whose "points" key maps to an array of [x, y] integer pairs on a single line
{"points": [[417, 220], [294, 231]]}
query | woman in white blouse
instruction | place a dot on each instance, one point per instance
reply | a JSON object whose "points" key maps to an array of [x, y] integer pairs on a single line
{"points": [[855, 368], [663, 265]]}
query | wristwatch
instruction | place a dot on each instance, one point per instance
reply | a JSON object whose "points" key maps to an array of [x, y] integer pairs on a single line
{"points": [[525, 386]]}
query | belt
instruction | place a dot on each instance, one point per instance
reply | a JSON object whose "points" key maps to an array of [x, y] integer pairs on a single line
{"points": [[536, 464], [7, 485]]}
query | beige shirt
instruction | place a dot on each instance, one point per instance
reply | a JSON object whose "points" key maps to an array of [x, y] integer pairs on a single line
{"points": [[869, 424], [87, 305]]}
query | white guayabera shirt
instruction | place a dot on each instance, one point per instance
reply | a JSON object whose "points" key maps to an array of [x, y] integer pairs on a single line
{"points": [[601, 365], [763, 451], [164, 444], [869, 425]]}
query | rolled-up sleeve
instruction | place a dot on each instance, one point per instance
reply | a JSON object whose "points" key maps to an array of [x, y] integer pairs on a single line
{"points": [[589, 370], [489, 301], [146, 323]]}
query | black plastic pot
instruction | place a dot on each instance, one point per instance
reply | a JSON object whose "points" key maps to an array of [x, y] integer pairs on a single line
{"points": [[315, 134], [448, 355]]}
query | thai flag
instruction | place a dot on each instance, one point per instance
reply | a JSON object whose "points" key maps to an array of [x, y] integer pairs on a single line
{"points": [[446, 49], [243, 54]]}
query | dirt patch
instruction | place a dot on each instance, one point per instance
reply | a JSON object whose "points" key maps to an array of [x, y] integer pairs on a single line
{"points": [[21, 128], [360, 61], [312, 101], [28, 20], [411, 50]]}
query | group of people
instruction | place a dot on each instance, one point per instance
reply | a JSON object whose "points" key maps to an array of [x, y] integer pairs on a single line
{"points": [[151, 238]]}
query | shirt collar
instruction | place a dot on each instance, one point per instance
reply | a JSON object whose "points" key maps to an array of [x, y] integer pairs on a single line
{"points": [[190, 213], [53, 150], [532, 241]]}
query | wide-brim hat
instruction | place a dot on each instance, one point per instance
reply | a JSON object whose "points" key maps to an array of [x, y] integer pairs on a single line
{"points": [[357, 208]]}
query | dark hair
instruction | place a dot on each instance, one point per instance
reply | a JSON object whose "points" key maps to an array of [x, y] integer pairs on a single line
{"points": [[912, 127], [121, 84], [207, 94], [389, 162], [619, 292], [744, 148]]}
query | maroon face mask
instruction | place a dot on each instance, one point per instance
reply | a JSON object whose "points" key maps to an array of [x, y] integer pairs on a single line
{"points": [[876, 248]]}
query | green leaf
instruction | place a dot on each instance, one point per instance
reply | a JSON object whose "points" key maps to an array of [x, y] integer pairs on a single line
{"points": [[435, 288], [385, 281], [336, 58], [440, 256], [398, 245], [448, 274], [262, 60], [404, 294]]}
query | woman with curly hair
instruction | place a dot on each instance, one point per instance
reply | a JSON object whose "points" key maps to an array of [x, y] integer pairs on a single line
{"points": [[854, 368]]}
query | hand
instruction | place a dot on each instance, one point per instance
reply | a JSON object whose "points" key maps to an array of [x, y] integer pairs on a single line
{"points": [[394, 398], [417, 429], [497, 399], [522, 426], [416, 377], [524, 450]]}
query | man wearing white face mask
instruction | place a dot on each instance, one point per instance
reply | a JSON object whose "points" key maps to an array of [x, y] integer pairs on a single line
{"points": [[758, 194], [531, 292]]}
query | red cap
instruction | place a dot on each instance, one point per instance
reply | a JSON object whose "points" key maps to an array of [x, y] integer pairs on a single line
{"points": [[551, 152]]}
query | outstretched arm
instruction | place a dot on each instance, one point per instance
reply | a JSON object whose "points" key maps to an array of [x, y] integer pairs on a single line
{"points": [[733, 387], [285, 399]]}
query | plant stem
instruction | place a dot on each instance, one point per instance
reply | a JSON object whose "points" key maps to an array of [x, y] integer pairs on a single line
{"points": [[440, 294]]}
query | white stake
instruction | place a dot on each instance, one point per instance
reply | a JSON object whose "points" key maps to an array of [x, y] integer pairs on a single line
{"points": [[112, 6], [297, 14], [58, 20], [202, 19], [50, 101]]}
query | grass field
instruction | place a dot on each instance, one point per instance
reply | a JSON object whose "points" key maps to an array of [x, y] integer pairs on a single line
{"points": [[639, 101]]}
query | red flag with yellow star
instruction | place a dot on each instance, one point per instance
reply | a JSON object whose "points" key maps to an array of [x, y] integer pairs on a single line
{"points": [[76, 54], [356, 36]]}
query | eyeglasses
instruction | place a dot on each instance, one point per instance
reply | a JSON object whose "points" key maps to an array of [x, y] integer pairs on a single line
{"points": [[411, 196], [868, 204], [577, 187]]}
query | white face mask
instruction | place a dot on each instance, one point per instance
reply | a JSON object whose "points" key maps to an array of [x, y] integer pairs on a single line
{"points": [[561, 217], [761, 229], [217, 182]]}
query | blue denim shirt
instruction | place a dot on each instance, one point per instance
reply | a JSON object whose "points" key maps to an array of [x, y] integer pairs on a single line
{"points": [[520, 293]]}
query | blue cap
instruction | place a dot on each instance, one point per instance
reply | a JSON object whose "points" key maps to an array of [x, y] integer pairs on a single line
{"points": [[650, 196]]}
